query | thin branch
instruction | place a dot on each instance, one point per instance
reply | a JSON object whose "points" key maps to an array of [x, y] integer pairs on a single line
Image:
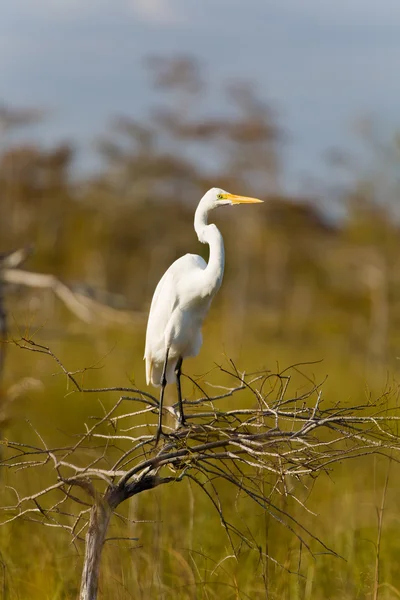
{"points": [[254, 448]]}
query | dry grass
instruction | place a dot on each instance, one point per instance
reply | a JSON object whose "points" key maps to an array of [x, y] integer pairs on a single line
{"points": [[182, 551]]}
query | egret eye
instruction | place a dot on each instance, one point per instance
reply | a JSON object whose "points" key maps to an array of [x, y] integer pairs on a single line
{"points": [[219, 197]]}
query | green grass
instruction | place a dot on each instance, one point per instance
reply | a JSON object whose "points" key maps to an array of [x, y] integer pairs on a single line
{"points": [[182, 550]]}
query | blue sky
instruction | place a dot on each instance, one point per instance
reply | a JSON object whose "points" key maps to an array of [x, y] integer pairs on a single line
{"points": [[320, 63]]}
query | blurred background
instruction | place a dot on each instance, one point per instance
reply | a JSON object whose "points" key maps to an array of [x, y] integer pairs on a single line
{"points": [[115, 118]]}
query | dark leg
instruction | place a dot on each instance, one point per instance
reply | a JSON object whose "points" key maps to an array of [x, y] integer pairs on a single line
{"points": [[160, 406], [178, 371]]}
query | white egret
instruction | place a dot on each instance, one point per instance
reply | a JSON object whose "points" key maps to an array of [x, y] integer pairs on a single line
{"points": [[182, 299]]}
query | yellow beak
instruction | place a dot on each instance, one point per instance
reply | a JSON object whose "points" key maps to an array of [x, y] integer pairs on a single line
{"points": [[241, 199]]}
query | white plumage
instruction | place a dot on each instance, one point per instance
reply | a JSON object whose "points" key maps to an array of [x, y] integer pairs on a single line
{"points": [[176, 316], [182, 299]]}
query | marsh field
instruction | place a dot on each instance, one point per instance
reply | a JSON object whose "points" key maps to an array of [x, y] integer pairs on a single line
{"points": [[311, 290]]}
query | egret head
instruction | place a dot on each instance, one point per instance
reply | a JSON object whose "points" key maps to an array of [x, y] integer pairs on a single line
{"points": [[217, 197], [213, 199]]}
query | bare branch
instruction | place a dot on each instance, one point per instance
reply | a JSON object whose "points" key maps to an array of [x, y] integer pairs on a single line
{"points": [[274, 445]]}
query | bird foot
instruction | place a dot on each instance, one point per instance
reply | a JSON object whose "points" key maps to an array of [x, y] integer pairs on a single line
{"points": [[164, 435]]}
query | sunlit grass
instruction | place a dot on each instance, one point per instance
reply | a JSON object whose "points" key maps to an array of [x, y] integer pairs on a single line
{"points": [[182, 550]]}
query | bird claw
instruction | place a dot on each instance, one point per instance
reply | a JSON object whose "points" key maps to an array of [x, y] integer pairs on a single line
{"points": [[165, 435]]}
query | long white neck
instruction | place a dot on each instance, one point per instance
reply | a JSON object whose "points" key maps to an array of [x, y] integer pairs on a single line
{"points": [[209, 234]]}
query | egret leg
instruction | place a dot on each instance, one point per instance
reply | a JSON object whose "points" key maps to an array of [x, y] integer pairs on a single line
{"points": [[178, 371], [160, 406]]}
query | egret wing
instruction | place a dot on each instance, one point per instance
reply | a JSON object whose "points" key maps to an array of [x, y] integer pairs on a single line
{"points": [[165, 300]]}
